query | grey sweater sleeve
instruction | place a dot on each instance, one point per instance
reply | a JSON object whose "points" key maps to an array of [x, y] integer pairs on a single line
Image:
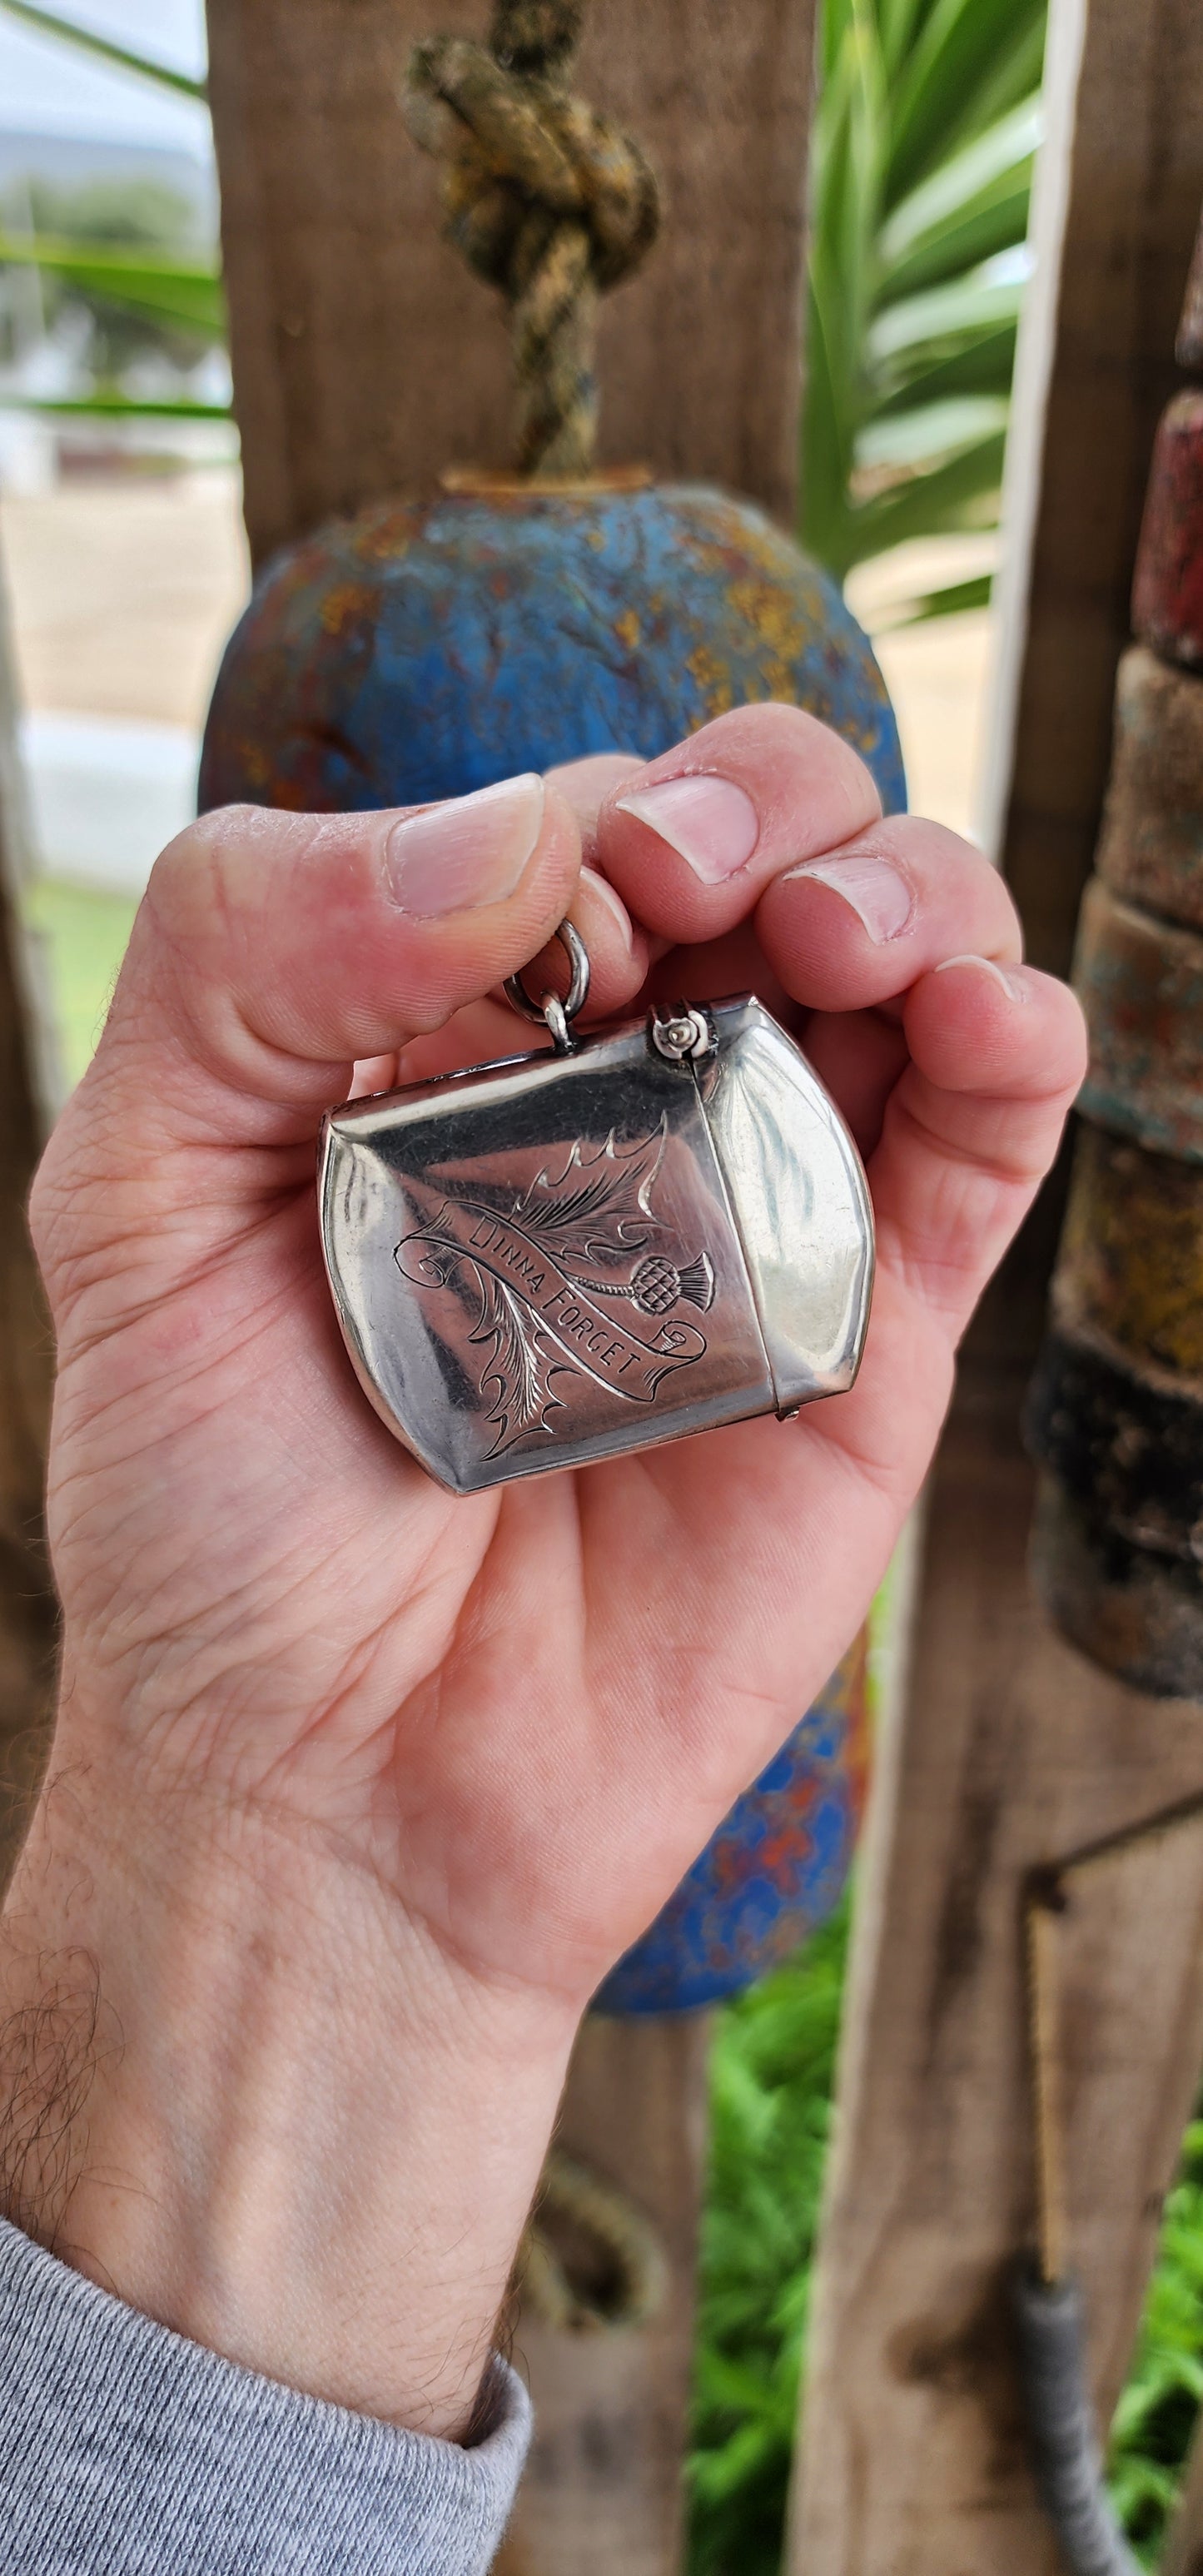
{"points": [[125, 2451]]}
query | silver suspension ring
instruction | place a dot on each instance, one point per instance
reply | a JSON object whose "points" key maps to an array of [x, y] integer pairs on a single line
{"points": [[551, 1012]]}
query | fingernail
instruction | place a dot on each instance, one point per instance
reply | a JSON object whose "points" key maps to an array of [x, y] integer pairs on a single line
{"points": [[876, 890], [472, 851], [601, 887], [1015, 985], [709, 821]]}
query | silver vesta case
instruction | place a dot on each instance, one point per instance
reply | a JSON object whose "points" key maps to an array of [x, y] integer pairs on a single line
{"points": [[549, 1261]]}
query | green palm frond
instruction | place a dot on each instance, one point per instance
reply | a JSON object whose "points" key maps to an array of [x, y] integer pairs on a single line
{"points": [[925, 136], [118, 406], [973, 205], [970, 62], [912, 332], [47, 22], [955, 597], [157, 285]]}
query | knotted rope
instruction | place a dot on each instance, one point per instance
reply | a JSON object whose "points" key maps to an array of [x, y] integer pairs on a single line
{"points": [[548, 201]]}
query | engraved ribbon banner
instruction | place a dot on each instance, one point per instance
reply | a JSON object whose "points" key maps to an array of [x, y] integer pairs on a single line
{"points": [[590, 1338]]}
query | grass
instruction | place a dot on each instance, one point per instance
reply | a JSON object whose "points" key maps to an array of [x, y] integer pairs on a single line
{"points": [[85, 934], [772, 2076]]}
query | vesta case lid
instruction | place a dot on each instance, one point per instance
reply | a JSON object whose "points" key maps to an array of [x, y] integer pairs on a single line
{"points": [[545, 1262]]}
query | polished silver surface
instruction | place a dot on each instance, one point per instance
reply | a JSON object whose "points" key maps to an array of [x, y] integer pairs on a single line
{"points": [[551, 1012], [800, 1201], [549, 1261]]}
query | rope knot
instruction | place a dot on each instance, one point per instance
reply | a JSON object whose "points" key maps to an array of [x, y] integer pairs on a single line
{"points": [[550, 202]]}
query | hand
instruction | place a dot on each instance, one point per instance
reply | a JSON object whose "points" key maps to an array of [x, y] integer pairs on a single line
{"points": [[358, 1790]]}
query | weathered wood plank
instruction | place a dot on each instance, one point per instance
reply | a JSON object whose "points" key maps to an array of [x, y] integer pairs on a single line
{"points": [[366, 359], [603, 2490]]}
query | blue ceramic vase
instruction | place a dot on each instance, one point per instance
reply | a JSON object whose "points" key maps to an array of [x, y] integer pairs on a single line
{"points": [[773, 1871], [420, 650]]}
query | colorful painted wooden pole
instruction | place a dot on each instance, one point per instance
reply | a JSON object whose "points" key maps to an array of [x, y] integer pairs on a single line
{"points": [[1167, 595], [1116, 1407], [418, 650]]}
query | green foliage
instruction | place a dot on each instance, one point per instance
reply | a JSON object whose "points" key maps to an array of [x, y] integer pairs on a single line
{"points": [[1155, 2417], [925, 134], [772, 2075]]}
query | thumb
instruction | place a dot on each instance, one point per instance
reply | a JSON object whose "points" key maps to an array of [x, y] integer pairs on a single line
{"points": [[273, 950]]}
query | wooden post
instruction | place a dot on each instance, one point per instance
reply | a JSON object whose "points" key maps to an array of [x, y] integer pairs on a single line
{"points": [[27, 1610], [603, 2490], [365, 356], [1010, 1749], [366, 360]]}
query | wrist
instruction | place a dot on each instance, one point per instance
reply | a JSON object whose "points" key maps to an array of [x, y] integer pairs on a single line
{"points": [[245, 2091]]}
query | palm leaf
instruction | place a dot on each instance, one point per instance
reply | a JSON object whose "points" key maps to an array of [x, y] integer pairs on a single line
{"points": [[960, 75], [979, 363], [160, 286], [956, 596], [828, 453], [935, 504], [926, 432], [48, 23], [110, 406], [919, 327], [924, 140], [972, 206], [1017, 73]]}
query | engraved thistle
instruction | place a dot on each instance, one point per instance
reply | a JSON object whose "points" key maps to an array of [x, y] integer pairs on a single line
{"points": [[534, 1263]]}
